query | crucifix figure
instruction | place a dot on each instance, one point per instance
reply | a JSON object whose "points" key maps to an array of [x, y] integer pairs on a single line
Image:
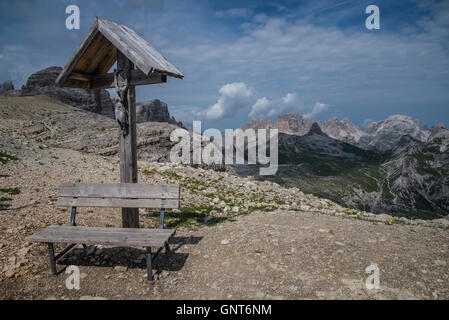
{"points": [[121, 114]]}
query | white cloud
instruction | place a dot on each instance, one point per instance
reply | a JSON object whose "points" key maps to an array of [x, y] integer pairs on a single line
{"points": [[290, 98], [264, 107], [260, 108], [233, 13], [317, 108], [233, 97]]}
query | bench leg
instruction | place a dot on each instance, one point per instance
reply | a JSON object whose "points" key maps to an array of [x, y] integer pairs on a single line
{"points": [[167, 247], [161, 219], [51, 252], [149, 266]]}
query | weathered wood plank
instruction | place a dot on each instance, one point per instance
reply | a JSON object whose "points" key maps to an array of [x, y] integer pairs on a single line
{"points": [[104, 236], [80, 76], [119, 190], [136, 49], [108, 60], [104, 81], [72, 83], [104, 46], [113, 229], [128, 142], [118, 203], [92, 52]]}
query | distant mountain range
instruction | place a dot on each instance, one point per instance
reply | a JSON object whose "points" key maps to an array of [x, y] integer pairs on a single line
{"points": [[395, 165], [381, 136]]}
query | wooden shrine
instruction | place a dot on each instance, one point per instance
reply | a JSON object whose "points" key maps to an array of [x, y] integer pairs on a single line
{"points": [[138, 63]]}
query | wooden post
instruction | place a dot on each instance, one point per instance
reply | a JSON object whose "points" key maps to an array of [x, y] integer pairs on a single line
{"points": [[128, 142]]}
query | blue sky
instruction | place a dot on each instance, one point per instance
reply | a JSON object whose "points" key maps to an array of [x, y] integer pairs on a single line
{"points": [[244, 59]]}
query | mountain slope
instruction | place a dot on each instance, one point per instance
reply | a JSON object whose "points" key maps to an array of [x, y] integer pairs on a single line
{"points": [[418, 175], [411, 182], [45, 120]]}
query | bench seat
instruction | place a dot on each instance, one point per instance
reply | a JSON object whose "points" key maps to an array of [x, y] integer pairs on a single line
{"points": [[111, 195], [126, 237]]}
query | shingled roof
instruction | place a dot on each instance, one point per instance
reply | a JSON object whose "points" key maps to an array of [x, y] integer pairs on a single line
{"points": [[98, 53]]}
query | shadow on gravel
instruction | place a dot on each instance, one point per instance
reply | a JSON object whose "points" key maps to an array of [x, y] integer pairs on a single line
{"points": [[124, 257], [189, 217]]}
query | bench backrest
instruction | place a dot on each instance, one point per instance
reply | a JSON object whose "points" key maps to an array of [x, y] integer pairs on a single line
{"points": [[119, 195]]}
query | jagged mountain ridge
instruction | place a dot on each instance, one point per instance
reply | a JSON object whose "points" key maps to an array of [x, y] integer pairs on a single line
{"points": [[410, 181], [419, 173], [382, 136]]}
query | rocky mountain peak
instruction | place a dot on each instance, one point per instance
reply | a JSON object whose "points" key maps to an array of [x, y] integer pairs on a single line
{"points": [[315, 129], [437, 129], [343, 130], [43, 78], [400, 123], [294, 123], [385, 135], [258, 124], [154, 110]]}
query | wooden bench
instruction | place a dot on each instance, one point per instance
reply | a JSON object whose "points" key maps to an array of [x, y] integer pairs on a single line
{"points": [[116, 195]]}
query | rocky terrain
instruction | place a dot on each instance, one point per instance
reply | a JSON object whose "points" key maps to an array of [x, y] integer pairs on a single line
{"points": [[286, 123], [43, 83], [154, 111], [47, 121], [237, 237], [343, 130], [96, 101]]}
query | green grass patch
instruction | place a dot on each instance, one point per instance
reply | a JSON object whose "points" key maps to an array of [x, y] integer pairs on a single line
{"points": [[189, 218], [4, 157], [11, 191], [172, 175]]}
